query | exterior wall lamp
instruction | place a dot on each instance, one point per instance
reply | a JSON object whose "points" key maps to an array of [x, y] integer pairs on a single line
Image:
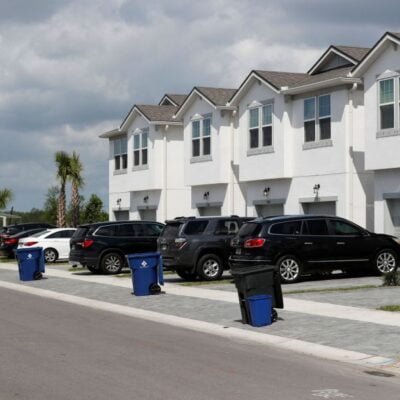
{"points": [[206, 195], [266, 191], [119, 203], [316, 188], [145, 199]]}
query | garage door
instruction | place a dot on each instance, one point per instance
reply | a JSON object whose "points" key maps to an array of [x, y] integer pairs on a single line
{"points": [[392, 221], [267, 210], [320, 207], [209, 211], [121, 215], [148, 215]]}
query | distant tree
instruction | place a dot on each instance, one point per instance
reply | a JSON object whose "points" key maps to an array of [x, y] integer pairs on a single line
{"points": [[93, 211], [75, 175], [63, 172], [51, 204], [6, 196]]}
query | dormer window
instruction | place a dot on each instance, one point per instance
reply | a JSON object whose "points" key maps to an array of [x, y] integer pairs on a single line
{"points": [[386, 104], [317, 118], [140, 148], [201, 137], [120, 153]]}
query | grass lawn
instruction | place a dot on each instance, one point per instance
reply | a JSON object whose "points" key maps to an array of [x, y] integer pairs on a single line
{"points": [[390, 307]]}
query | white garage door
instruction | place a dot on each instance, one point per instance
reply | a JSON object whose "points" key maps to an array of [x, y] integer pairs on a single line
{"points": [[320, 207], [121, 215], [392, 221], [268, 210], [148, 215], [210, 211]]}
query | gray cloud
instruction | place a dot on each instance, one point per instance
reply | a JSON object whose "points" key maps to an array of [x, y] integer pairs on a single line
{"points": [[70, 71]]}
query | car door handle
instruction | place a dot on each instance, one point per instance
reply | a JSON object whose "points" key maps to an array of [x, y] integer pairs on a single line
{"points": [[341, 243], [308, 243]]}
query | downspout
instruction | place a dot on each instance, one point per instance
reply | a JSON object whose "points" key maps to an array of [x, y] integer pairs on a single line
{"points": [[350, 150], [232, 164], [165, 173]]}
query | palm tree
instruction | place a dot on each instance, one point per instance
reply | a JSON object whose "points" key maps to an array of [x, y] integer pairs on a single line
{"points": [[75, 175], [63, 172], [6, 196]]}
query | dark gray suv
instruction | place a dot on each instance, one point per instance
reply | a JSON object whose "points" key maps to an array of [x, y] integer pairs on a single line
{"points": [[304, 244]]}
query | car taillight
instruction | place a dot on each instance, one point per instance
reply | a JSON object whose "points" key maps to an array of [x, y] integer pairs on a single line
{"points": [[252, 243], [11, 241], [87, 243], [29, 243], [180, 242]]}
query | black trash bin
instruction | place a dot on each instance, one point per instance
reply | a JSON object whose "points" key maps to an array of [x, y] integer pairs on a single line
{"points": [[254, 281]]}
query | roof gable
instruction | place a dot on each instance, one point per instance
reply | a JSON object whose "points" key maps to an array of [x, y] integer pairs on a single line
{"points": [[172, 99], [375, 51]]}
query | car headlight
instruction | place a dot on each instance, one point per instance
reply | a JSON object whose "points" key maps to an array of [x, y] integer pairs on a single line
{"points": [[397, 240]]}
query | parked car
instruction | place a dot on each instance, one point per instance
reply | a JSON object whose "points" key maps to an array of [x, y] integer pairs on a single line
{"points": [[198, 247], [55, 243], [101, 247], [14, 229], [10, 243], [305, 244]]}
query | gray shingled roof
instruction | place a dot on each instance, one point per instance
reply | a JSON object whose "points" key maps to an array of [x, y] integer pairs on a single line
{"points": [[279, 79], [356, 53], [158, 113], [324, 76], [218, 96], [397, 34], [177, 98]]}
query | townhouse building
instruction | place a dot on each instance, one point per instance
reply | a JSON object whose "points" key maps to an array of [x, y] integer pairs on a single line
{"points": [[322, 141]]}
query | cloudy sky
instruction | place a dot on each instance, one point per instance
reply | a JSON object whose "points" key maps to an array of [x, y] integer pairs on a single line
{"points": [[71, 69]]}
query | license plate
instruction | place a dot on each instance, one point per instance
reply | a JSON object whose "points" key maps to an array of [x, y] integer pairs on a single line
{"points": [[238, 252]]}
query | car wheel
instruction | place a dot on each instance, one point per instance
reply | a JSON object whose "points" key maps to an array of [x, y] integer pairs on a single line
{"points": [[186, 274], [386, 261], [210, 268], [289, 269], [112, 263], [50, 255]]}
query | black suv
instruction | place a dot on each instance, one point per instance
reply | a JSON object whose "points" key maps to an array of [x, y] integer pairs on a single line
{"points": [[101, 247], [310, 243], [198, 246]]}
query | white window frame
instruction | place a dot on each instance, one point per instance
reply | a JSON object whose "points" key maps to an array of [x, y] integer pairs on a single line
{"points": [[393, 102], [201, 138], [261, 148], [317, 118], [140, 134], [120, 154]]}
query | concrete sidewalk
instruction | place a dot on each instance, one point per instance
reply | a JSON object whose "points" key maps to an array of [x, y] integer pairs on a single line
{"points": [[320, 328]]}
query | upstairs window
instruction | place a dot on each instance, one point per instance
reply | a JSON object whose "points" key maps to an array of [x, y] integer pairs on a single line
{"points": [[201, 137], [317, 118], [386, 104], [140, 148], [120, 153], [260, 126]]}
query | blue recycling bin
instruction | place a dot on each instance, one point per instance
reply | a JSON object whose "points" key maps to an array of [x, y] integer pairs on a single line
{"points": [[30, 263], [147, 273], [260, 309]]}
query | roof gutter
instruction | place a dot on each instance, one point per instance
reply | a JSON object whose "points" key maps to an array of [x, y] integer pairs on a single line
{"points": [[320, 85], [111, 134]]}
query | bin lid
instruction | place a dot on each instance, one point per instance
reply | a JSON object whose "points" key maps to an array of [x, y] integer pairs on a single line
{"points": [[243, 269]]}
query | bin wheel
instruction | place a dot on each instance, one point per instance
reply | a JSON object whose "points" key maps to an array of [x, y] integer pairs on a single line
{"points": [[186, 274], [37, 275], [290, 269], [274, 315], [50, 255], [155, 288], [209, 267], [111, 263]]}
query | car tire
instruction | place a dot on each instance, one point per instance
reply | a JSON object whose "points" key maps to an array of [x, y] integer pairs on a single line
{"points": [[290, 269], [93, 269], [386, 261], [111, 263], [186, 274], [50, 255], [210, 267]]}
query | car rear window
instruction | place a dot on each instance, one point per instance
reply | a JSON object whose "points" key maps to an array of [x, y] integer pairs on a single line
{"points": [[106, 230], [171, 231], [195, 227], [250, 229], [80, 232], [286, 228]]}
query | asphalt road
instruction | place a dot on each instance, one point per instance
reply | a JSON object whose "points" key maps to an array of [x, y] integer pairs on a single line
{"points": [[53, 350]]}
